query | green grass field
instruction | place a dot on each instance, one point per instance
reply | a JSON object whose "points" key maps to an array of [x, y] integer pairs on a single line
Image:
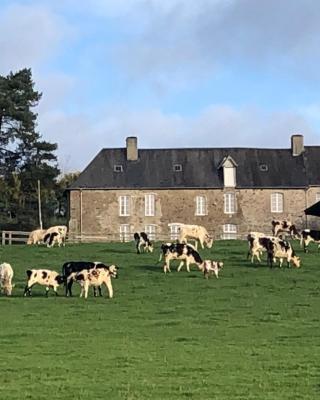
{"points": [[251, 334]]}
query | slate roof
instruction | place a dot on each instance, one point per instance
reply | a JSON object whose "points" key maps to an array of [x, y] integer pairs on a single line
{"points": [[200, 169]]}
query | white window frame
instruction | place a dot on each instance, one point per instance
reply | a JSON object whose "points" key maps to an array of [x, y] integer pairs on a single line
{"points": [[149, 204], [124, 206], [125, 233], [201, 205], [174, 231], [151, 231], [277, 200], [317, 197], [230, 231], [230, 203]]}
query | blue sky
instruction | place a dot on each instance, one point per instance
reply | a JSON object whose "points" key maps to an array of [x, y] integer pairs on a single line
{"points": [[175, 73]]}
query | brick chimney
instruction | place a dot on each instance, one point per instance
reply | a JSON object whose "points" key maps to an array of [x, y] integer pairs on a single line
{"points": [[132, 148], [297, 146]]}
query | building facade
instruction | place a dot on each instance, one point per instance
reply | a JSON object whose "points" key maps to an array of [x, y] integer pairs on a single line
{"points": [[230, 191]]}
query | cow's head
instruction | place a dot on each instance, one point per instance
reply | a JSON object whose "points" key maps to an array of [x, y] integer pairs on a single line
{"points": [[113, 271], [296, 261], [7, 288], [209, 241]]}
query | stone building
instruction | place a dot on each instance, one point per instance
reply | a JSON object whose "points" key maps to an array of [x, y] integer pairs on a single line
{"points": [[230, 191]]}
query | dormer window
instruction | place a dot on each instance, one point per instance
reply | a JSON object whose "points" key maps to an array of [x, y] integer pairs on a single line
{"points": [[117, 168], [177, 167], [263, 167], [229, 171]]}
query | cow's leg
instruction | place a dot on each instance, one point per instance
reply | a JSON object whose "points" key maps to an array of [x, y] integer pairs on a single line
{"points": [[86, 289], [55, 289], [180, 266], [47, 290], [109, 286], [100, 291], [27, 289], [188, 265], [68, 288]]}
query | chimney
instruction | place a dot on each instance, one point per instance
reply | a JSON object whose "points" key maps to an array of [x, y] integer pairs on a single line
{"points": [[132, 148], [297, 146]]}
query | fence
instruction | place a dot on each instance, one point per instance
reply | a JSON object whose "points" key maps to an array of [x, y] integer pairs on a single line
{"points": [[11, 237]]}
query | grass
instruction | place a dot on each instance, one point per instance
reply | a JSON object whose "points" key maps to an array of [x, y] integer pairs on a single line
{"points": [[251, 334]]}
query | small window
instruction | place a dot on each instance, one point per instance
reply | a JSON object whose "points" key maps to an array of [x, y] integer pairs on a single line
{"points": [[149, 205], [174, 231], [263, 167], [177, 167], [150, 230], [229, 231], [230, 206], [125, 235], [201, 205], [124, 206], [277, 202], [118, 168]]}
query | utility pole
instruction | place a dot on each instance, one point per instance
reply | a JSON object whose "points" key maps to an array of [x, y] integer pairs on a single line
{"points": [[39, 205]]}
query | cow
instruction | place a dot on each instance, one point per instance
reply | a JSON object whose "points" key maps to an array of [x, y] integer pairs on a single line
{"points": [[211, 267], [180, 251], [71, 267], [55, 234], [6, 275], [143, 242], [96, 277], [309, 235], [36, 236], [255, 248], [195, 232], [44, 277], [284, 227], [275, 248]]}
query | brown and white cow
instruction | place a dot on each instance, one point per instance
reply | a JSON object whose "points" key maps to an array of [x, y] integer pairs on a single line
{"points": [[195, 232], [309, 235], [180, 251]]}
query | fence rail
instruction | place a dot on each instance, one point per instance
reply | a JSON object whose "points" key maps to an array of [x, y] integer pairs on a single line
{"points": [[10, 237]]}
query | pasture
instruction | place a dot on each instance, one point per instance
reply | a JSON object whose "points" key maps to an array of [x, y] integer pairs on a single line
{"points": [[251, 334]]}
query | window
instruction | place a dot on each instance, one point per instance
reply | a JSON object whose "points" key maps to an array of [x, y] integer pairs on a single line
{"points": [[230, 203], [118, 168], [149, 205], [174, 231], [124, 206], [229, 231], [125, 235], [277, 202], [201, 205], [318, 196], [177, 167], [150, 230]]}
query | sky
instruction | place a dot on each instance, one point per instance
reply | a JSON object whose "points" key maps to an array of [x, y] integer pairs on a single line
{"points": [[174, 73]]}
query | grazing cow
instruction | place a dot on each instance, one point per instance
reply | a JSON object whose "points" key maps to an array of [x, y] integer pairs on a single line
{"points": [[44, 277], [96, 277], [56, 234], [180, 251], [255, 248], [211, 267], [142, 241], [36, 236], [284, 227], [195, 232], [6, 275], [70, 268], [307, 236]]}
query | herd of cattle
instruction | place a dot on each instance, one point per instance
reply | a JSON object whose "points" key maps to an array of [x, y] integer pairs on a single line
{"points": [[96, 274]]}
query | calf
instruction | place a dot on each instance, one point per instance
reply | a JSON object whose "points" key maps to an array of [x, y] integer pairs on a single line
{"points": [[96, 277], [284, 227], [256, 247], [56, 234], [211, 267], [44, 277], [195, 232], [70, 268], [180, 251], [36, 236], [307, 236], [6, 275], [142, 241]]}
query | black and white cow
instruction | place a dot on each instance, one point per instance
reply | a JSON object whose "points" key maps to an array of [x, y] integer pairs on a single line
{"points": [[307, 236], [143, 242], [284, 227], [180, 251], [44, 277], [70, 268]]}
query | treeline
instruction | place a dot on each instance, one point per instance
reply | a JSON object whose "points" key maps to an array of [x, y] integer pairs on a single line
{"points": [[25, 159]]}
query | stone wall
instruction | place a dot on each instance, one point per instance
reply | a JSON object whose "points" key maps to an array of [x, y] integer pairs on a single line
{"points": [[100, 210]]}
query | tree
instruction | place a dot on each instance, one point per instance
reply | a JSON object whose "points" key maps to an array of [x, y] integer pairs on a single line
{"points": [[24, 156]]}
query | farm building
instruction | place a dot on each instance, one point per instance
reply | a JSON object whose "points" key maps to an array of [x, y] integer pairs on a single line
{"points": [[228, 190]]}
